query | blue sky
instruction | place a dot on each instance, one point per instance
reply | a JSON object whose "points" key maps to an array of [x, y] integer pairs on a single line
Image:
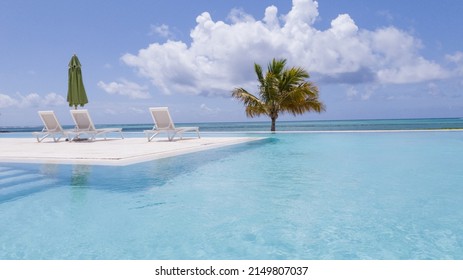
{"points": [[370, 59]]}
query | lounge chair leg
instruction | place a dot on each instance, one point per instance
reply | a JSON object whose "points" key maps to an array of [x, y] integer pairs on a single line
{"points": [[43, 137]]}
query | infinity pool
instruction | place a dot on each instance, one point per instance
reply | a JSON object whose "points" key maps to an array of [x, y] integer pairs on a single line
{"points": [[292, 196]]}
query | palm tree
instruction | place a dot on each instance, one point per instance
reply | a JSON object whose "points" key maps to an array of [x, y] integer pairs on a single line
{"points": [[281, 90]]}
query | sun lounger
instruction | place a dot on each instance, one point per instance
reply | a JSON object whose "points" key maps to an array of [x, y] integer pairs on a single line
{"points": [[85, 126], [51, 127], [163, 123]]}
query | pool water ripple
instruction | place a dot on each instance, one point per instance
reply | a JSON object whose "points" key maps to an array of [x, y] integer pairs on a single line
{"points": [[295, 196]]}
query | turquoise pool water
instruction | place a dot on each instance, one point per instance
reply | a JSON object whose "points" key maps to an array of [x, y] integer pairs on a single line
{"points": [[291, 196]]}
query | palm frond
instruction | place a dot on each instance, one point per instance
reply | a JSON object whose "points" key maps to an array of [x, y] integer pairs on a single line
{"points": [[303, 98], [276, 66], [254, 106], [258, 70]]}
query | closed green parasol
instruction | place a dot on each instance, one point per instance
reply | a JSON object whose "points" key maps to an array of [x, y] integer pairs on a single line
{"points": [[76, 90]]}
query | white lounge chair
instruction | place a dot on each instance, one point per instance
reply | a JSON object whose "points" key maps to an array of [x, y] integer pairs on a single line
{"points": [[84, 125], [51, 127], [163, 123]]}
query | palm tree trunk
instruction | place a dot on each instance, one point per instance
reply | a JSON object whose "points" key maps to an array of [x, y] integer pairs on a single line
{"points": [[272, 129]]}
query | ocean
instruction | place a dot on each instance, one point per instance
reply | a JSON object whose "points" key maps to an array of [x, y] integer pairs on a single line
{"points": [[312, 125]]}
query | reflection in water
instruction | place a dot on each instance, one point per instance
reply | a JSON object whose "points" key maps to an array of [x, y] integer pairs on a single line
{"points": [[79, 182], [80, 174], [158, 173], [51, 170], [133, 178]]}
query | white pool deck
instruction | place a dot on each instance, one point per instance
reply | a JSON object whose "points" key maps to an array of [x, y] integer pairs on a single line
{"points": [[107, 152]]}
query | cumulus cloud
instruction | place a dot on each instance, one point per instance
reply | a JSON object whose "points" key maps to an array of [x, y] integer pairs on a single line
{"points": [[125, 88], [31, 100], [221, 55]]}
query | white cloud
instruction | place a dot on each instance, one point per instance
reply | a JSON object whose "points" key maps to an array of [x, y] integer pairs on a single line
{"points": [[417, 70], [433, 89], [365, 94], [31, 100], [303, 12], [368, 92], [457, 60], [53, 99], [125, 88], [161, 30], [271, 17], [221, 55], [7, 101], [238, 15]]}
